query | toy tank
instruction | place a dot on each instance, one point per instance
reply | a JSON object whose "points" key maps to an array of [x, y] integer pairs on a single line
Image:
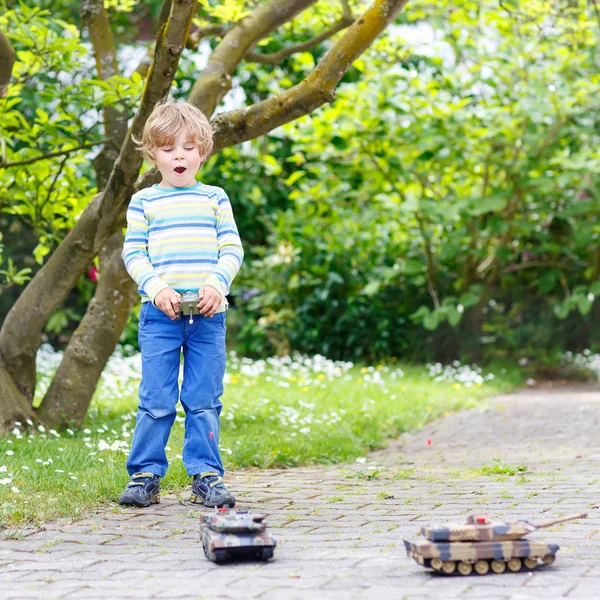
{"points": [[482, 545], [236, 534]]}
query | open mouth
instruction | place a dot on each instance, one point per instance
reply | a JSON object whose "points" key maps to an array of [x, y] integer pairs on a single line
{"points": [[179, 170]]}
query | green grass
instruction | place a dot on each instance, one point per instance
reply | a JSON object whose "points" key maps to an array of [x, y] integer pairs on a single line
{"points": [[278, 414], [498, 467]]}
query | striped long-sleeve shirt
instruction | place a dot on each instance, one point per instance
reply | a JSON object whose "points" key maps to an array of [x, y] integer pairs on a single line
{"points": [[181, 238]]}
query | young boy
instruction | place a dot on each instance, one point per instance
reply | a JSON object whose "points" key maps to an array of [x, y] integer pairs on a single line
{"points": [[181, 236]]}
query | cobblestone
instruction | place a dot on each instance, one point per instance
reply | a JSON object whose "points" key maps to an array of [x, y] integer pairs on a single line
{"points": [[340, 528]]}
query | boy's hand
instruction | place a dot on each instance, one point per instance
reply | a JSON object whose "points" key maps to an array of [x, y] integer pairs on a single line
{"points": [[168, 301], [210, 300]]}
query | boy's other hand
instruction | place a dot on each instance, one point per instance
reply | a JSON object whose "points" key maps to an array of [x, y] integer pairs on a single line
{"points": [[210, 300], [168, 301]]}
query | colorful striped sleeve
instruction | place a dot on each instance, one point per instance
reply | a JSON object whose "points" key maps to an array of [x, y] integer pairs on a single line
{"points": [[231, 252], [135, 251]]}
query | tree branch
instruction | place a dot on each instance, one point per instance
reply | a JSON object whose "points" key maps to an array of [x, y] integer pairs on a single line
{"points": [[215, 80], [318, 88], [430, 261], [277, 57], [214, 30], [192, 43], [28, 161], [238, 126], [95, 18], [534, 264], [71, 390], [596, 12], [7, 60], [63, 162]]}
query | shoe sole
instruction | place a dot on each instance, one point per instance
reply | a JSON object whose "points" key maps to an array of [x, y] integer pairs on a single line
{"points": [[155, 500], [200, 500]]}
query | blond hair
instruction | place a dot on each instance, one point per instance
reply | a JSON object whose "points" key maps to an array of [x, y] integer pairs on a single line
{"points": [[165, 123]]}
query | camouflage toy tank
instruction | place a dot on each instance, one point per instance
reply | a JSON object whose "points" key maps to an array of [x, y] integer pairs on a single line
{"points": [[482, 545], [231, 534]]}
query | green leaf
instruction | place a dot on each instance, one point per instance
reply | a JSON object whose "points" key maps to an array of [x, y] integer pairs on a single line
{"points": [[428, 154], [486, 205], [339, 142], [411, 266], [469, 299], [294, 282], [305, 59], [548, 282], [420, 313], [371, 288], [334, 277], [42, 115], [584, 305], [432, 320], [562, 310], [57, 322], [272, 164], [39, 252], [454, 316], [359, 64], [295, 176]]}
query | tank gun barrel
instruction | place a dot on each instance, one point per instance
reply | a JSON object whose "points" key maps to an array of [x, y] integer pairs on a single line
{"points": [[561, 520]]}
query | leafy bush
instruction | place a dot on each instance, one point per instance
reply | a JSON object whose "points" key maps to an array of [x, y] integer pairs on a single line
{"points": [[450, 191]]}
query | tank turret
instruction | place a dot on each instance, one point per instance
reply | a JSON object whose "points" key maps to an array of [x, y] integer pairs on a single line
{"points": [[481, 545]]}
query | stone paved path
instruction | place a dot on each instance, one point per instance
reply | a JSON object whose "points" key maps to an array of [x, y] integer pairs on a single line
{"points": [[340, 529]]}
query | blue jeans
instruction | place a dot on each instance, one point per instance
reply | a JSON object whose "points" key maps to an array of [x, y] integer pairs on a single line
{"points": [[161, 341]]}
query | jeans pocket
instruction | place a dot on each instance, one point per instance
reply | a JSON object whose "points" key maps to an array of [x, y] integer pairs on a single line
{"points": [[143, 321]]}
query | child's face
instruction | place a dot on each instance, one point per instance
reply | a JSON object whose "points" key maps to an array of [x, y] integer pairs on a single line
{"points": [[179, 163]]}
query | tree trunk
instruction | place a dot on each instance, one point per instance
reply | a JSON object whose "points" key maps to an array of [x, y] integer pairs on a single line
{"points": [[472, 331], [7, 60], [92, 343], [14, 405], [21, 330], [69, 395]]}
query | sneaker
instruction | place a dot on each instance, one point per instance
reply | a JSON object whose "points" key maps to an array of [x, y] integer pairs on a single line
{"points": [[208, 489], [143, 489]]}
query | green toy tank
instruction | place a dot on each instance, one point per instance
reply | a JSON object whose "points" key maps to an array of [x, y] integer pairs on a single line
{"points": [[481, 545], [234, 534]]}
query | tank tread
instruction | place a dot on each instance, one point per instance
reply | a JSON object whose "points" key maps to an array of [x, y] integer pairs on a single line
{"points": [[482, 567], [218, 555]]}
